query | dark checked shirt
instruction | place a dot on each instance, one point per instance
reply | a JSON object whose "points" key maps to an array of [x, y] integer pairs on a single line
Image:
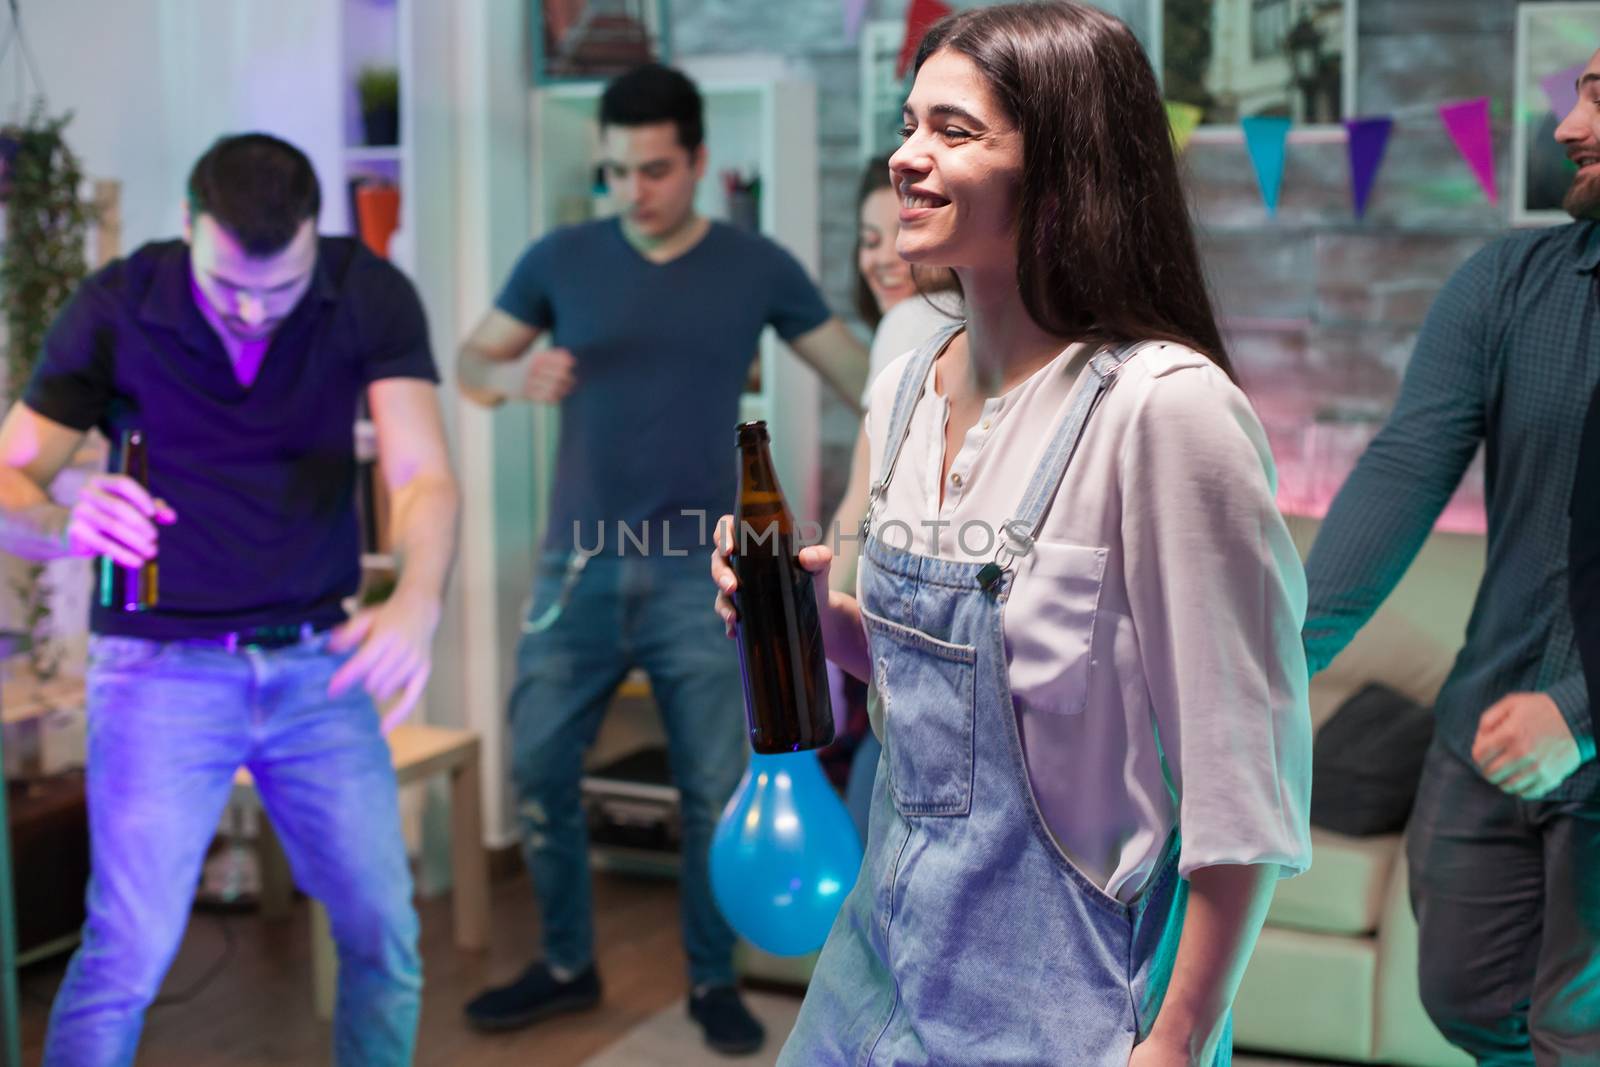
{"points": [[1509, 356]]}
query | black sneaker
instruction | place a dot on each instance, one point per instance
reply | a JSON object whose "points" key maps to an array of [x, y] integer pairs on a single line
{"points": [[729, 1026], [536, 994]]}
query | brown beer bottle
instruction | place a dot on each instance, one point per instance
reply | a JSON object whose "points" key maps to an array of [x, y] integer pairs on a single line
{"points": [[130, 588], [780, 629]]}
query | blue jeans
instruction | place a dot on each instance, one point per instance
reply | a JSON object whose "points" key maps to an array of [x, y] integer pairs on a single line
{"points": [[168, 726], [654, 612]]}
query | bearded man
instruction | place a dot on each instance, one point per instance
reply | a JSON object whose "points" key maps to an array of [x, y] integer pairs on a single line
{"points": [[1504, 839]]}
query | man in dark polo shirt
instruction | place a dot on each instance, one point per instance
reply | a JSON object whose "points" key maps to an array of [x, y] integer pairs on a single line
{"points": [[242, 353], [656, 316]]}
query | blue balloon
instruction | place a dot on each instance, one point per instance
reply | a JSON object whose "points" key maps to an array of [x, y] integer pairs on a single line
{"points": [[784, 855]]}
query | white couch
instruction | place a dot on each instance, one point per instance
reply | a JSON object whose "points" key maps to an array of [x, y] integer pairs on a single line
{"points": [[1334, 974]]}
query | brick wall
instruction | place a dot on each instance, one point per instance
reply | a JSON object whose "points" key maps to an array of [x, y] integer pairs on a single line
{"points": [[1320, 309]]}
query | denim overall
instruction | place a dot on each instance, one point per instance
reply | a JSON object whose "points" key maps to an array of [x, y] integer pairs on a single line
{"points": [[970, 938]]}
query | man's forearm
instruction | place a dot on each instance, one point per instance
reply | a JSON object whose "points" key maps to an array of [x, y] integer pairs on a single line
{"points": [[1371, 532], [474, 377], [847, 378], [1227, 905], [425, 519], [838, 359]]}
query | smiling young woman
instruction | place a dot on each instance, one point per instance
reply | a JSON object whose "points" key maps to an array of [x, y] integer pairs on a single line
{"points": [[1077, 600]]}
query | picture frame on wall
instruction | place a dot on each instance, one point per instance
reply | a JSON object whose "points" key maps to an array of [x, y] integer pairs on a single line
{"points": [[595, 40], [1238, 58], [1554, 42]]}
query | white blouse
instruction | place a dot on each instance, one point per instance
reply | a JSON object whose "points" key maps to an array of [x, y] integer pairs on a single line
{"points": [[1153, 635]]}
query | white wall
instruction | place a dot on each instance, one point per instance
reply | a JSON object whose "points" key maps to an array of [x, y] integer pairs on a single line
{"points": [[152, 83], [496, 453]]}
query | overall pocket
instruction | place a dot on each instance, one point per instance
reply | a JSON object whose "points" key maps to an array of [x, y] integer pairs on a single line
{"points": [[1050, 618], [927, 688]]}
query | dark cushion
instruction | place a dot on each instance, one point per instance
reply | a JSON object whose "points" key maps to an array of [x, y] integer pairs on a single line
{"points": [[1367, 761]]}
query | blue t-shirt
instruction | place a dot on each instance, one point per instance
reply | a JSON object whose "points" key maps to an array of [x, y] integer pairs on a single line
{"points": [[661, 351]]}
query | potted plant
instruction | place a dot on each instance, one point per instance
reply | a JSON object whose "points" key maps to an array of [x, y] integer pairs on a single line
{"points": [[379, 91], [46, 229]]}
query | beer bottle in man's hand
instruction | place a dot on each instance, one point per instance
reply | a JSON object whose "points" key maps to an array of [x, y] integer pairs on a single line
{"points": [[780, 630], [130, 588]]}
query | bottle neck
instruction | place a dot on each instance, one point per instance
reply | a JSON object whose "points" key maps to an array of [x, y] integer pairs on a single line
{"points": [[135, 459], [760, 496]]}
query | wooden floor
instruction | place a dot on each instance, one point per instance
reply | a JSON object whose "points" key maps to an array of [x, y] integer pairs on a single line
{"points": [[257, 1010]]}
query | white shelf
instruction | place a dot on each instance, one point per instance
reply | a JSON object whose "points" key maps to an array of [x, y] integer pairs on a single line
{"points": [[374, 153], [586, 91], [377, 34], [753, 406]]}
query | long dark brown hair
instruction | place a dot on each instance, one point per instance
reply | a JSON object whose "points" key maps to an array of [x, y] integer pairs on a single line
{"points": [[1105, 246]]}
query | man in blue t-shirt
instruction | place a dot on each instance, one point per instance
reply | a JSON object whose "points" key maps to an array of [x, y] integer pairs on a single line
{"points": [[241, 353], [656, 316]]}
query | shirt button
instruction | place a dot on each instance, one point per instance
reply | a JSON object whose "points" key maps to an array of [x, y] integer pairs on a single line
{"points": [[955, 480], [984, 425]]}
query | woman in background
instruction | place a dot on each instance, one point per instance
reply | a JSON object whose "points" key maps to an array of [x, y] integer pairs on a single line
{"points": [[1077, 599], [902, 304]]}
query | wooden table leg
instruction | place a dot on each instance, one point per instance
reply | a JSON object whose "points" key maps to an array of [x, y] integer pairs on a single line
{"points": [[324, 962], [469, 865], [277, 883]]}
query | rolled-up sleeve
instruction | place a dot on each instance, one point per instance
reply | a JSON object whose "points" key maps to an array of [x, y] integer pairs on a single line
{"points": [[1218, 598]]}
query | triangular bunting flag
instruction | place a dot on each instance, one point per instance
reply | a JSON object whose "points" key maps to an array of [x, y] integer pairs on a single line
{"points": [[1561, 89], [920, 17], [1266, 136], [1468, 123], [1367, 140], [1182, 119], [855, 11]]}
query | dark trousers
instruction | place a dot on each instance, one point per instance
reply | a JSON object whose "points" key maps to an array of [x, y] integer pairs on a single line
{"points": [[1507, 898]]}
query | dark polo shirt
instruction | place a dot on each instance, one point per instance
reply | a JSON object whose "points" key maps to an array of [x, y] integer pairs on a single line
{"points": [[262, 476]]}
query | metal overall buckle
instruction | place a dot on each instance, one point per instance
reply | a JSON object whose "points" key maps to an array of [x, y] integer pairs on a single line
{"points": [[1013, 545]]}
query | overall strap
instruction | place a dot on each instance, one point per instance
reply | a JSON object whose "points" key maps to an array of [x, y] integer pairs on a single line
{"points": [[905, 402], [1018, 533]]}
